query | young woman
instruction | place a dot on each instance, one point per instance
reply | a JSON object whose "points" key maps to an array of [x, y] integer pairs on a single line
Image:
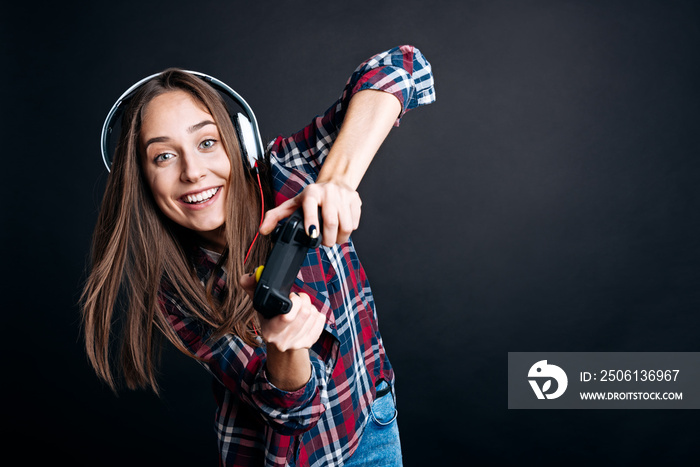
{"points": [[177, 239]]}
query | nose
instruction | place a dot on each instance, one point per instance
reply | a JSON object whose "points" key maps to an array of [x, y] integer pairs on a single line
{"points": [[193, 168]]}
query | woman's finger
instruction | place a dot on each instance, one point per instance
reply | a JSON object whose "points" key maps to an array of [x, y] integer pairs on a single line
{"points": [[248, 283], [356, 208], [329, 212], [346, 223], [311, 220], [274, 216]]}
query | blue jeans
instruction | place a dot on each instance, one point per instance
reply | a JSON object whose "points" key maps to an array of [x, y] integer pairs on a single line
{"points": [[380, 445]]}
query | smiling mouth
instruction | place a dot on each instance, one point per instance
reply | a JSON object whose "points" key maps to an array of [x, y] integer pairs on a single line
{"points": [[202, 197]]}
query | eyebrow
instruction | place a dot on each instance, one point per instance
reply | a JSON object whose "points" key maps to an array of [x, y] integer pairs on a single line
{"points": [[192, 129], [200, 125]]}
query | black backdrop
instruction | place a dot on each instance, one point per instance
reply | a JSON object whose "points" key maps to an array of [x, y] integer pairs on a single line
{"points": [[547, 202]]}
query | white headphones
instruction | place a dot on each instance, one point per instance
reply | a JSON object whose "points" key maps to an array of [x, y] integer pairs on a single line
{"points": [[246, 125]]}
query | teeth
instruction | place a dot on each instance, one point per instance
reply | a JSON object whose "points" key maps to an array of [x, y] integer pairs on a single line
{"points": [[200, 197]]}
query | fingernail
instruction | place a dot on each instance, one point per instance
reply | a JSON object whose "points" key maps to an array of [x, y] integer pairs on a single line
{"points": [[313, 232]]}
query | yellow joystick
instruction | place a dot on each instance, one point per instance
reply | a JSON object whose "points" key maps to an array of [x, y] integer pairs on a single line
{"points": [[258, 273]]}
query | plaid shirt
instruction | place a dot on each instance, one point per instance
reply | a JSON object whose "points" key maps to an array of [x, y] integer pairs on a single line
{"points": [[321, 423]]}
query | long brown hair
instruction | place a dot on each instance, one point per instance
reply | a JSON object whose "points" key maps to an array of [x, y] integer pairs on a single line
{"points": [[136, 249]]}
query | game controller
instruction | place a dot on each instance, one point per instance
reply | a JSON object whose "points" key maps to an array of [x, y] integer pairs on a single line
{"points": [[275, 278]]}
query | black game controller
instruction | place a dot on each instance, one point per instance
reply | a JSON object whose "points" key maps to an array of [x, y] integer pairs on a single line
{"points": [[275, 279]]}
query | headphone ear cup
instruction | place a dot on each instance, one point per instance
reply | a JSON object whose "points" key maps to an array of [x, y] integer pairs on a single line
{"points": [[246, 139]]}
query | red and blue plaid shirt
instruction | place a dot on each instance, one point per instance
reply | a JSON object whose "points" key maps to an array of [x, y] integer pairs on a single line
{"points": [[321, 423]]}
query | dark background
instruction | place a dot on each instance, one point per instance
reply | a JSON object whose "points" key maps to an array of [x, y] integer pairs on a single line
{"points": [[548, 201]]}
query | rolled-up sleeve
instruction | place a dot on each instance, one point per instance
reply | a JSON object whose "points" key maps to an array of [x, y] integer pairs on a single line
{"points": [[293, 411], [402, 71]]}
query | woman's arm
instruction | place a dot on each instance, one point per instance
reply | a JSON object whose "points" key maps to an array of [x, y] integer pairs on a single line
{"points": [[328, 158], [369, 118], [351, 137], [288, 338]]}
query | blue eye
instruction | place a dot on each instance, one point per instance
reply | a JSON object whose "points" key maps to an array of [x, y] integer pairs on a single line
{"points": [[164, 157]]}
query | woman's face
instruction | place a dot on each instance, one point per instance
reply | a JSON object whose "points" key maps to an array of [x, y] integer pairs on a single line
{"points": [[185, 163]]}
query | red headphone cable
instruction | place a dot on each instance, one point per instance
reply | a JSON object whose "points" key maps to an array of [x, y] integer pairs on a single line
{"points": [[262, 215]]}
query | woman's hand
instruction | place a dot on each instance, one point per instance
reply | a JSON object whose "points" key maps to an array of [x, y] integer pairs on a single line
{"points": [[340, 207], [288, 338]]}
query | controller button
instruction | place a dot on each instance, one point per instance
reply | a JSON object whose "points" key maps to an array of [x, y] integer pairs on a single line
{"points": [[258, 273]]}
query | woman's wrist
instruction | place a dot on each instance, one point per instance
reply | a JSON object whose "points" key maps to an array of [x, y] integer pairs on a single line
{"points": [[288, 370]]}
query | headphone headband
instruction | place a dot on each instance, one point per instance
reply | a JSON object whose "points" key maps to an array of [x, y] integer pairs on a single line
{"points": [[246, 125]]}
